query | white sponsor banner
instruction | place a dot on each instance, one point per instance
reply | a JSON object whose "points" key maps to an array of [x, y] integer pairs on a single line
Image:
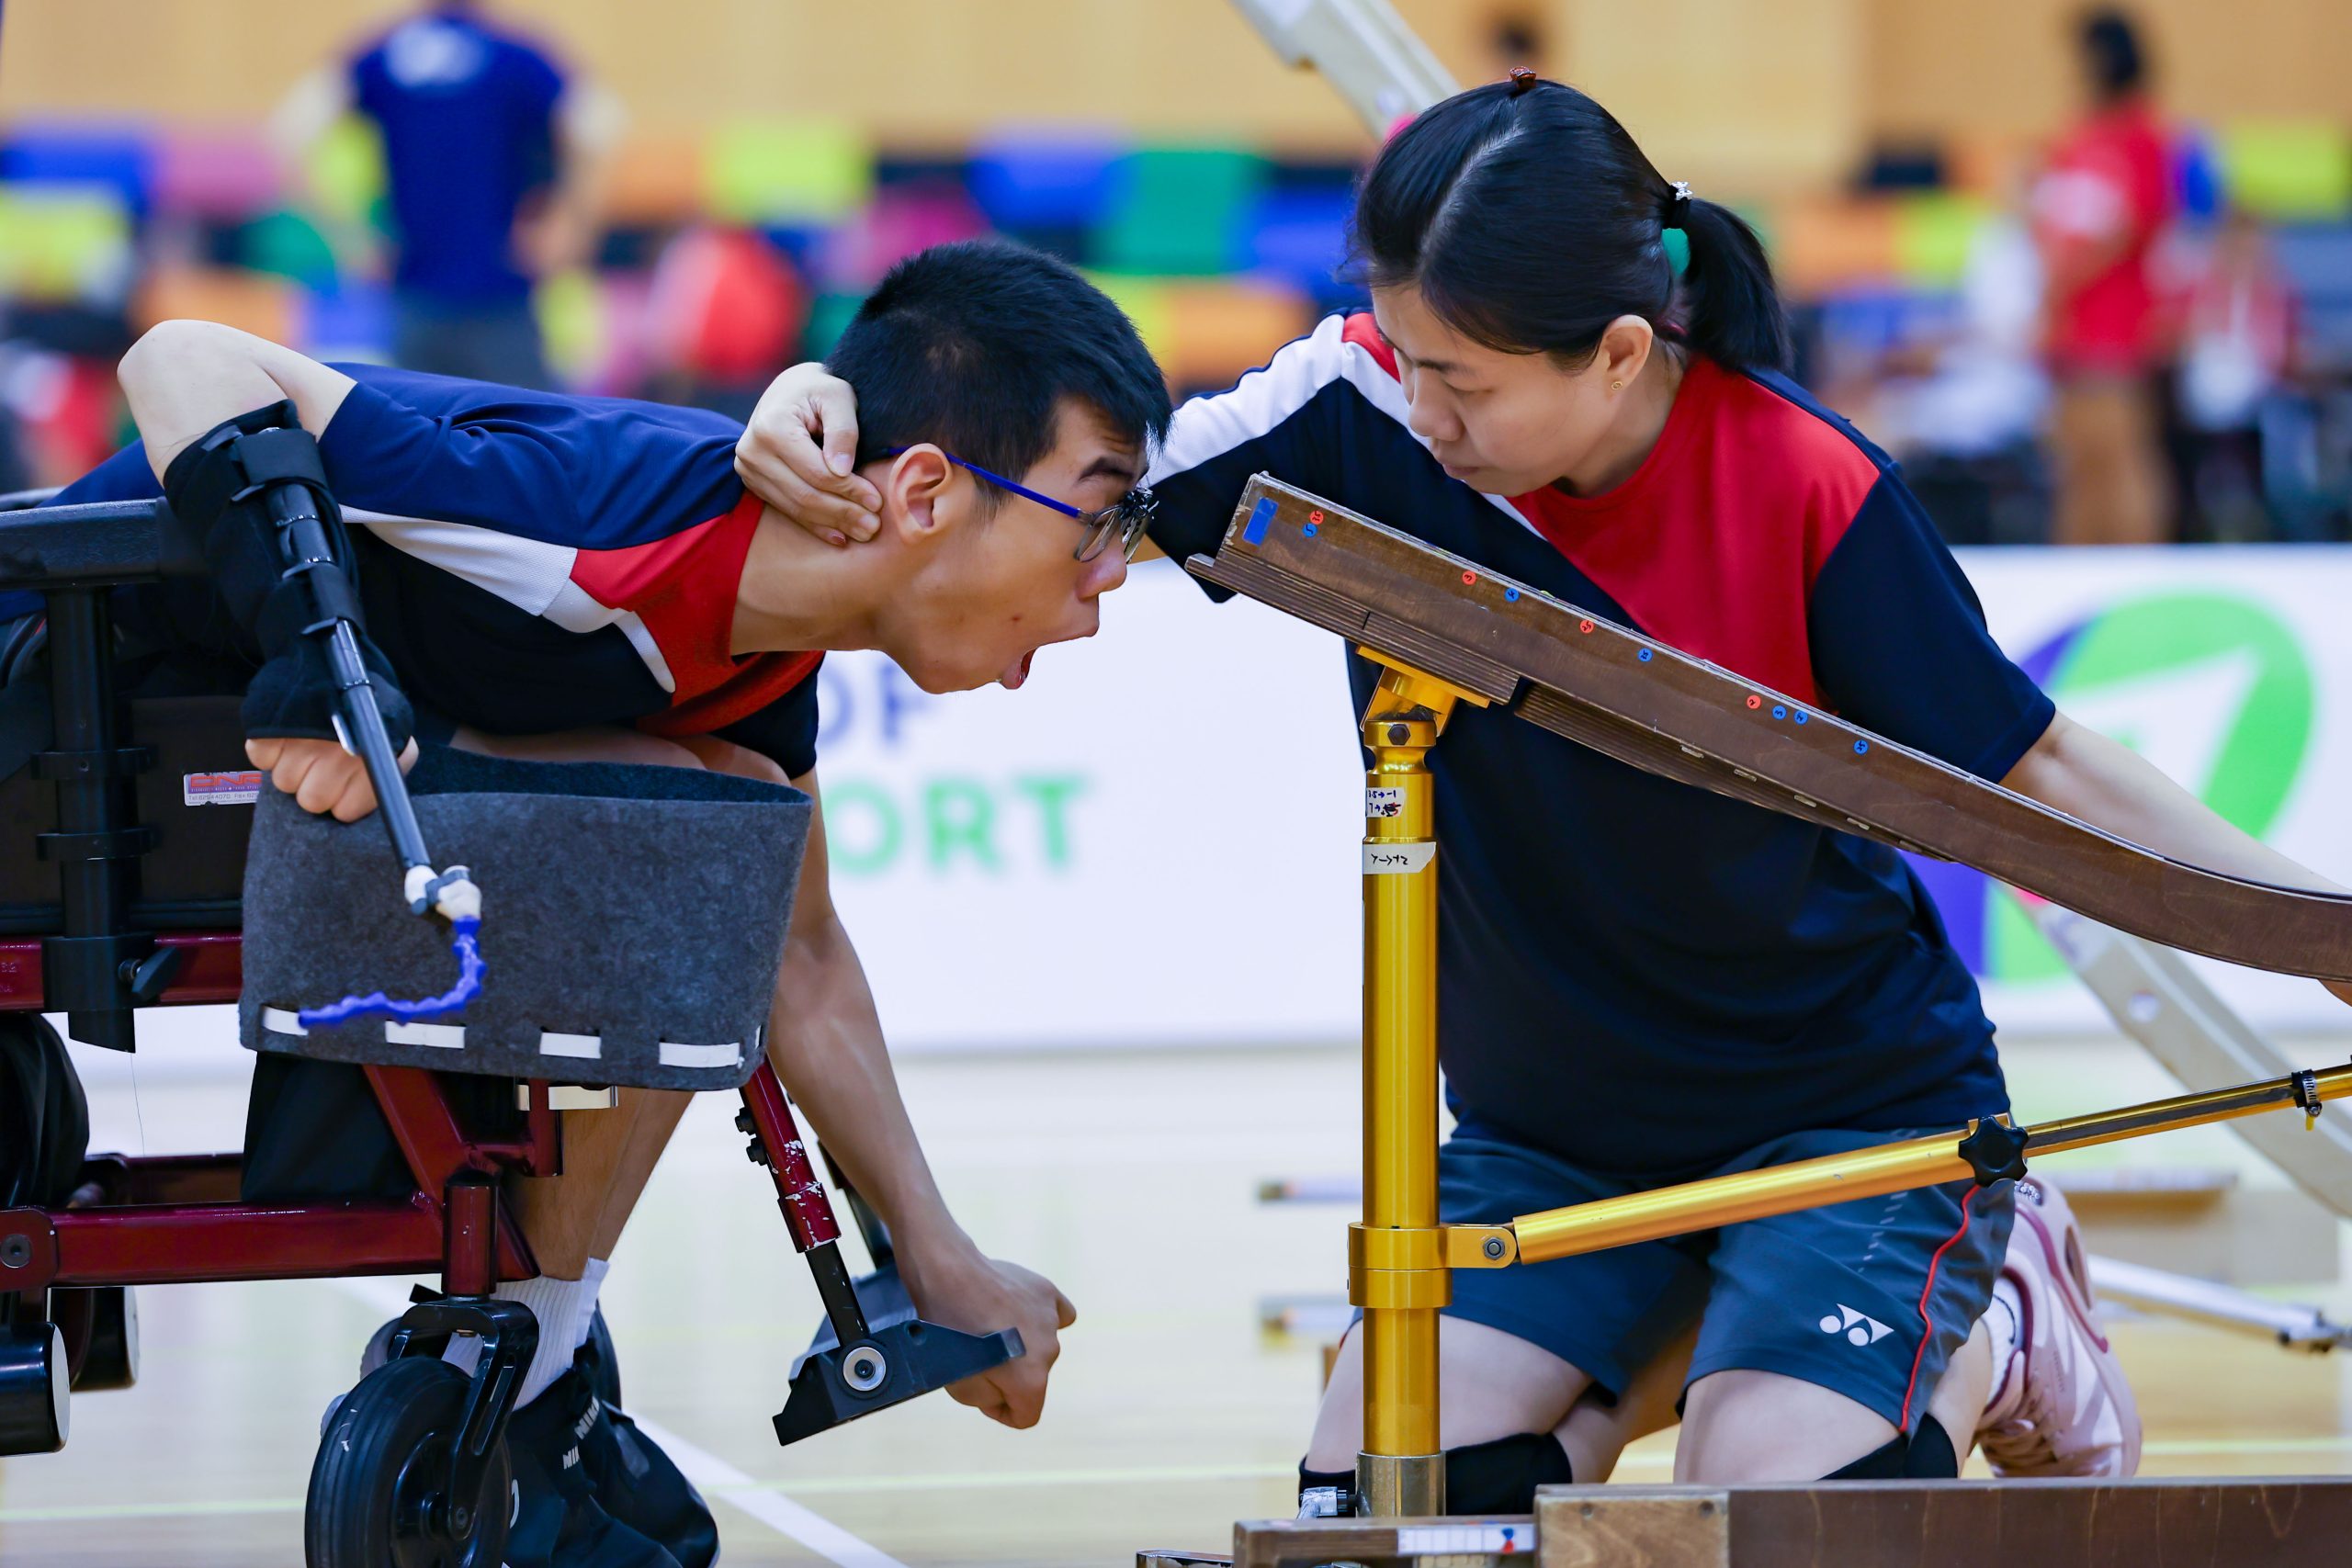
{"points": [[1155, 840], [2229, 668]]}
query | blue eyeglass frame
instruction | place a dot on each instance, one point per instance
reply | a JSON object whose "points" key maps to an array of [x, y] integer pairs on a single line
{"points": [[1128, 516]]}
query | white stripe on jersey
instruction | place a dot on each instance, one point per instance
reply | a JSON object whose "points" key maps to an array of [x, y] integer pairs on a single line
{"points": [[1207, 427], [530, 574]]}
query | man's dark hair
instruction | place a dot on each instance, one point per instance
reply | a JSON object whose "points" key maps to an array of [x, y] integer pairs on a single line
{"points": [[971, 345]]}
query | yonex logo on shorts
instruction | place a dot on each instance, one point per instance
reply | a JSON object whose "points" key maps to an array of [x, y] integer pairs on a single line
{"points": [[1858, 1328]]}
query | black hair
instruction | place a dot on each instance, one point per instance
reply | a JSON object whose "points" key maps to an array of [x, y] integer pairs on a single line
{"points": [[1527, 220], [2111, 51], [972, 345]]}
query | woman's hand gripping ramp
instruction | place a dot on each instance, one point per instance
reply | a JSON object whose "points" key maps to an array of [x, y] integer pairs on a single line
{"points": [[255, 491]]}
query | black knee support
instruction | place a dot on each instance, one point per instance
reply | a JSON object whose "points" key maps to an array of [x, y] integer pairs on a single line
{"points": [[1932, 1455], [1496, 1477], [1923, 1455], [1501, 1476]]}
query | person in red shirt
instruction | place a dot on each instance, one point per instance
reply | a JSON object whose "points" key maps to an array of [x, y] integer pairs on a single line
{"points": [[2099, 210], [1640, 981]]}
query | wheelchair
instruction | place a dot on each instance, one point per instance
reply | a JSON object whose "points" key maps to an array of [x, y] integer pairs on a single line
{"points": [[133, 812]]}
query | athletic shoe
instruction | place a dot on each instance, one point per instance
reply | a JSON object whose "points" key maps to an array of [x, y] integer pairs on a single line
{"points": [[635, 1481], [559, 1520], [2061, 1405]]}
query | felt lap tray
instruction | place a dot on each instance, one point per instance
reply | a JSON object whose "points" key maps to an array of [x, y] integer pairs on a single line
{"points": [[633, 920]]}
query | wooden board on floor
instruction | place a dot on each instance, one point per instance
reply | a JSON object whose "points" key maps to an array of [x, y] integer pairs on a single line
{"points": [[2286, 1522]]}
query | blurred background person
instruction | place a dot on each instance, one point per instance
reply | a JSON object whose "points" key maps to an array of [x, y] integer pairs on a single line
{"points": [[2099, 209], [2238, 352], [491, 161]]}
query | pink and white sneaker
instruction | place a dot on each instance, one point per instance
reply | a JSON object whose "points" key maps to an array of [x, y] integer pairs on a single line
{"points": [[2061, 1405]]}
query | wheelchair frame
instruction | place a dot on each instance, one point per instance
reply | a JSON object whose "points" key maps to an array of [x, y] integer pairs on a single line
{"points": [[180, 1219]]}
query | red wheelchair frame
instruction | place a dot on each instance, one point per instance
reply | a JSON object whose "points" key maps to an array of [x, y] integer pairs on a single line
{"points": [[180, 1219]]}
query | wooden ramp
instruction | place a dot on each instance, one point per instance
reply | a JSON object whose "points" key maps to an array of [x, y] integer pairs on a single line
{"points": [[2285, 1523]]}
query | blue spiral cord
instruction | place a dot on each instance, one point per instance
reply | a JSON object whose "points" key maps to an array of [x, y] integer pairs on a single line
{"points": [[465, 943]]}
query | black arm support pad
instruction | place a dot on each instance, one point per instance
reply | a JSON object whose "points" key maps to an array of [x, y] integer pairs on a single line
{"points": [[260, 446], [222, 486]]}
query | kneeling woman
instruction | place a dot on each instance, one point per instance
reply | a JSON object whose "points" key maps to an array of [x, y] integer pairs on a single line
{"points": [[1572, 373]]}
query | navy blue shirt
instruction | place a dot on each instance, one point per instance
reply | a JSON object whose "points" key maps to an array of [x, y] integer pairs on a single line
{"points": [[468, 119], [1641, 976], [533, 562]]}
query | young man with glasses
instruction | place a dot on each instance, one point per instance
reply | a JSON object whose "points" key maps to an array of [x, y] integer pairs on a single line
{"points": [[586, 579]]}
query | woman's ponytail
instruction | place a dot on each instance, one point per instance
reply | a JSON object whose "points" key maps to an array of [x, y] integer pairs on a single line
{"points": [[1727, 307]]}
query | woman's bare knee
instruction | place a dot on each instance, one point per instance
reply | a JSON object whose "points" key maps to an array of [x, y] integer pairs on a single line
{"points": [[1491, 1384], [1744, 1427]]}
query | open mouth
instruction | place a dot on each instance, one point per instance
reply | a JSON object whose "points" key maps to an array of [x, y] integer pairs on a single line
{"points": [[1013, 677]]}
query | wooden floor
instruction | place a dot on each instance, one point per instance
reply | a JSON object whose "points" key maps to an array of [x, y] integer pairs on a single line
{"points": [[1129, 1178]]}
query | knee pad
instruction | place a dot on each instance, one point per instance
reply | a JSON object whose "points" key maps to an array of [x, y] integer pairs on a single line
{"points": [[1501, 1476], [1495, 1477], [1884, 1462], [1933, 1456]]}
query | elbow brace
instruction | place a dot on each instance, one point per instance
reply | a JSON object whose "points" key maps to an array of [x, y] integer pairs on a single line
{"points": [[221, 487]]}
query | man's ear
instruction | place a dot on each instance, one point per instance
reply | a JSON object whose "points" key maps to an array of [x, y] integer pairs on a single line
{"points": [[1625, 346], [914, 486]]}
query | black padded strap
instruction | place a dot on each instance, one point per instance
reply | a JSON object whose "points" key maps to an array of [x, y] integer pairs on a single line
{"points": [[207, 476], [278, 456], [301, 599]]}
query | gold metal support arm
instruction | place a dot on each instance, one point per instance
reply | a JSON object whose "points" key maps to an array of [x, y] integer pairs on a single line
{"points": [[1889, 1168]]}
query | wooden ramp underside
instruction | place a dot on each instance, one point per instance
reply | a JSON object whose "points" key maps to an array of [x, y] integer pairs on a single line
{"points": [[1684, 718]]}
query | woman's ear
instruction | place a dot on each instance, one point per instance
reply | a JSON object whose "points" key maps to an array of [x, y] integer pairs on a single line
{"points": [[913, 488], [1625, 346]]}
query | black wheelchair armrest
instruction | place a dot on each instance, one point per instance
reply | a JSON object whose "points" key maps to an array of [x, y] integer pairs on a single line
{"points": [[93, 543]]}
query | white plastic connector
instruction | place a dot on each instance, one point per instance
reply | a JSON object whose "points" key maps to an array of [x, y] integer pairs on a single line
{"points": [[460, 900], [420, 877]]}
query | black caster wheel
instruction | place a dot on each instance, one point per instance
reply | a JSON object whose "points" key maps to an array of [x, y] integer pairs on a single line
{"points": [[375, 1488], [34, 1388], [108, 1336]]}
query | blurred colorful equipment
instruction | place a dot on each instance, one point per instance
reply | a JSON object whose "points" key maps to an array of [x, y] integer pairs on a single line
{"points": [[731, 251]]}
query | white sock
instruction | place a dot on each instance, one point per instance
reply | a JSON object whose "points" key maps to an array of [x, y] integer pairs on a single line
{"points": [[2003, 1321], [565, 1308]]}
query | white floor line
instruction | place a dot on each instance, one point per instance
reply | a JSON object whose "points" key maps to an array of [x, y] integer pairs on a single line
{"points": [[714, 1475]]}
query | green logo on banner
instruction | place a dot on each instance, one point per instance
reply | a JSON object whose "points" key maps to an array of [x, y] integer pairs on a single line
{"points": [[2211, 687]]}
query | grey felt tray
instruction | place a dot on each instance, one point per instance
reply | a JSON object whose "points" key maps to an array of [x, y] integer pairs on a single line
{"points": [[633, 921]]}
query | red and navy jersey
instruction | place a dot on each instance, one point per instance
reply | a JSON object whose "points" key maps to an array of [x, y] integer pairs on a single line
{"points": [[1641, 976], [533, 562]]}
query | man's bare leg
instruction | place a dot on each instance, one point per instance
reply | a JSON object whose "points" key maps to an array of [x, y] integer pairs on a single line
{"points": [[608, 1156]]}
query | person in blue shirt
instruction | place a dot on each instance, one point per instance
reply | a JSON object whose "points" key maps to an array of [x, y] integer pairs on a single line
{"points": [[1642, 982], [573, 578], [491, 150]]}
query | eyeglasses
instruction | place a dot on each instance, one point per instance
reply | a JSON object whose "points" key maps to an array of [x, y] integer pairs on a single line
{"points": [[1126, 518]]}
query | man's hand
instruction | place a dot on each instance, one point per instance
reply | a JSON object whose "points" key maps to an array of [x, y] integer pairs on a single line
{"points": [[798, 453], [320, 776], [980, 1295]]}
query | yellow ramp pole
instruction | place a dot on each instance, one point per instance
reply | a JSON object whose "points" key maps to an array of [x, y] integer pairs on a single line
{"points": [[1396, 1260]]}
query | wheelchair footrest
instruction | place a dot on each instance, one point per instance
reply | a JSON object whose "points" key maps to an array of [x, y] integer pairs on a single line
{"points": [[893, 1363]]}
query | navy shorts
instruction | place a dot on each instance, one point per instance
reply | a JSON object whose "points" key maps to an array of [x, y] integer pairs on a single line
{"points": [[1838, 1297]]}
